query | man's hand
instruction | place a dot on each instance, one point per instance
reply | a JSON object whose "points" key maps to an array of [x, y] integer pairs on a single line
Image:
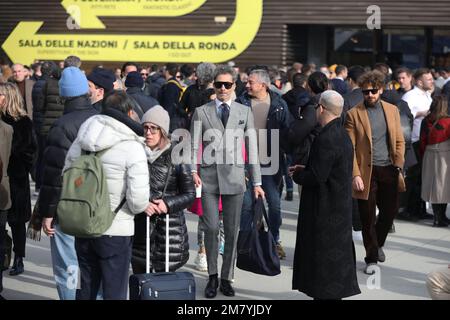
{"points": [[197, 180], [358, 184], [47, 227], [293, 169], [259, 192]]}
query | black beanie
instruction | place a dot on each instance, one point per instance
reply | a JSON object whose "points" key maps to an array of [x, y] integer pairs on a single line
{"points": [[134, 79], [102, 78]]}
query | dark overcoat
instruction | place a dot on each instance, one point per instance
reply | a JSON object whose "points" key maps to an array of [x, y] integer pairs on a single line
{"points": [[23, 151], [324, 261]]}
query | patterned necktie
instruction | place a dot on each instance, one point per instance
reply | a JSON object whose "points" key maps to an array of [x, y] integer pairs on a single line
{"points": [[225, 114]]}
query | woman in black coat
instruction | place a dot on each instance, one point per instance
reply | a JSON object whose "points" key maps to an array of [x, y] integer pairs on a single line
{"points": [[324, 261], [23, 150], [179, 195]]}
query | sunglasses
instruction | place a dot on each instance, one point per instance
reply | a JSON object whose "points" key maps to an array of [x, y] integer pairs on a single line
{"points": [[219, 84], [372, 91], [152, 129], [318, 105]]}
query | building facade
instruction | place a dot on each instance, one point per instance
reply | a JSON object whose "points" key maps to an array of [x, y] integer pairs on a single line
{"points": [[412, 33]]}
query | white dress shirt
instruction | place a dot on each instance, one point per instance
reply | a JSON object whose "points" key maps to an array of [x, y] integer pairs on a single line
{"points": [[418, 101]]}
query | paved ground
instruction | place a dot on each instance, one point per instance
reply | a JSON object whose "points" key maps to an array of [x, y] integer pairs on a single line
{"points": [[414, 250]]}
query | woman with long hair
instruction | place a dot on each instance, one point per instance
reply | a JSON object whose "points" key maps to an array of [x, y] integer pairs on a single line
{"points": [[435, 155], [23, 150]]}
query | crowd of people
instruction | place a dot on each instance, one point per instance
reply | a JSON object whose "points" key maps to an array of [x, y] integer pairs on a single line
{"points": [[353, 139]]}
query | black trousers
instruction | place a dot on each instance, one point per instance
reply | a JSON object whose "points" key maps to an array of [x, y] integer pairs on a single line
{"points": [[104, 260], [384, 195], [411, 200], [3, 218], [19, 236]]}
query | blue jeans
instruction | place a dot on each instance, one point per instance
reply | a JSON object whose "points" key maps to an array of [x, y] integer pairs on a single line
{"points": [[271, 189], [65, 264]]}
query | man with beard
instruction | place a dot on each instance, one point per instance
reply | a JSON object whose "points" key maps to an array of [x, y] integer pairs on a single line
{"points": [[375, 130]]}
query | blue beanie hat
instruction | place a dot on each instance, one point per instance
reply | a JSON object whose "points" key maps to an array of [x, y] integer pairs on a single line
{"points": [[134, 79], [73, 83]]}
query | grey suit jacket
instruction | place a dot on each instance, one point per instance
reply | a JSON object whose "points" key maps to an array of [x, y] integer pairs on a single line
{"points": [[222, 162]]}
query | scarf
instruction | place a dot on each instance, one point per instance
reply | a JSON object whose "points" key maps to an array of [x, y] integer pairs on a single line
{"points": [[152, 155]]}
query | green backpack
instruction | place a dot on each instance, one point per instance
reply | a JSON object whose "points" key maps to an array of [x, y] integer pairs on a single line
{"points": [[84, 209]]}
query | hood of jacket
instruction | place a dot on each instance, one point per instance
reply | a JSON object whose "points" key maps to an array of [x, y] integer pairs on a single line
{"points": [[297, 96], [103, 131]]}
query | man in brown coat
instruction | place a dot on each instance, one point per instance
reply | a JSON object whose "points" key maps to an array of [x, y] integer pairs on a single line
{"points": [[375, 130]]}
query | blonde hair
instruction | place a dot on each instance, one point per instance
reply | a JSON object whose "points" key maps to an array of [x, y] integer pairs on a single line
{"points": [[165, 139], [14, 105]]}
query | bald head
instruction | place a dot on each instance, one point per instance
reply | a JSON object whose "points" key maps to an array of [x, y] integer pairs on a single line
{"points": [[332, 102]]}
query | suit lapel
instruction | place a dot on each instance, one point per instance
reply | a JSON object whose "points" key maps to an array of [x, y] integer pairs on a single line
{"points": [[214, 121], [362, 113], [234, 117]]}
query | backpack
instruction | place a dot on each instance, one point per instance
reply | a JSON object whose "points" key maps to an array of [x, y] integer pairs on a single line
{"points": [[84, 209]]}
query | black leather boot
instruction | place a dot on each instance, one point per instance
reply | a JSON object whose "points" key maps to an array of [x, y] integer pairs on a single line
{"points": [[226, 288], [17, 267], [289, 196], [439, 216], [211, 287]]}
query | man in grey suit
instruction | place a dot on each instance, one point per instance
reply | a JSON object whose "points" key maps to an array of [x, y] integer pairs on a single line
{"points": [[220, 128]]}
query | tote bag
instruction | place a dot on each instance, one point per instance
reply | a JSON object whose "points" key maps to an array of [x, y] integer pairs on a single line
{"points": [[256, 247]]}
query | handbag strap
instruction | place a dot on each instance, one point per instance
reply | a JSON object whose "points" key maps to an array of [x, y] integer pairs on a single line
{"points": [[259, 217]]}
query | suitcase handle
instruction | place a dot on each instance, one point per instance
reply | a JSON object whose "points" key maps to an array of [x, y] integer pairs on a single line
{"points": [[147, 260]]}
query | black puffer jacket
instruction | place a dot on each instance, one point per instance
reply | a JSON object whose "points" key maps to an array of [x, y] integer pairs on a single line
{"points": [[52, 105], [60, 138], [38, 97], [180, 194]]}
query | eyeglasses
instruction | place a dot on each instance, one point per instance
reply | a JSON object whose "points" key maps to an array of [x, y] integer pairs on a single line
{"points": [[152, 129], [372, 91], [317, 106], [219, 84]]}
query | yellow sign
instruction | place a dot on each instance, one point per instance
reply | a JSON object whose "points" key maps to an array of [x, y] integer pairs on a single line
{"points": [[24, 45], [86, 13]]}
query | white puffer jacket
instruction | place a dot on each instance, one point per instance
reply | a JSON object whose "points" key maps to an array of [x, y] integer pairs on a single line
{"points": [[125, 165]]}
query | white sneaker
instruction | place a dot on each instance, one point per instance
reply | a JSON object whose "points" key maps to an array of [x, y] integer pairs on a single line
{"points": [[201, 263], [357, 235]]}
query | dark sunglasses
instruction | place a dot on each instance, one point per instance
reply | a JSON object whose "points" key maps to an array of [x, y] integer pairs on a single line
{"points": [[372, 91], [152, 129], [219, 84]]}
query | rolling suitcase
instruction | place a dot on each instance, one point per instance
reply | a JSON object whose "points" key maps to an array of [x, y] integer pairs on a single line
{"points": [[161, 285]]}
